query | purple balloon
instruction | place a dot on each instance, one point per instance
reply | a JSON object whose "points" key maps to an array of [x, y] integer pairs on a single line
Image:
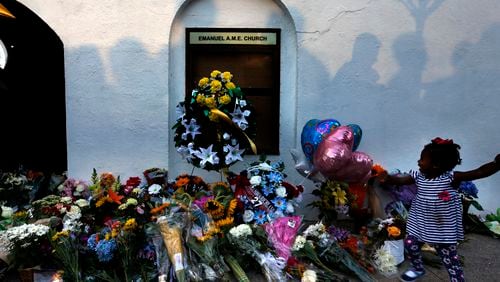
{"points": [[357, 170], [343, 134], [330, 156]]}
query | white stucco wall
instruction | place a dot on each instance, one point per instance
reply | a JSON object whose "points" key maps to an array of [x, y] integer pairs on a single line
{"points": [[405, 73]]}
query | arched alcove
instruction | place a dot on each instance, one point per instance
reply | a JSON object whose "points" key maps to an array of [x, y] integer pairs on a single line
{"points": [[221, 14], [32, 93]]}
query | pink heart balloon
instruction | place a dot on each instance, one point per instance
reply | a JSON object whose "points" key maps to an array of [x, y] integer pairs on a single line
{"points": [[330, 156], [343, 134], [357, 170]]}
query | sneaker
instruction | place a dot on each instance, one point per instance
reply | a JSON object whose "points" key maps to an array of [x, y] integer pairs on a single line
{"points": [[412, 275]]}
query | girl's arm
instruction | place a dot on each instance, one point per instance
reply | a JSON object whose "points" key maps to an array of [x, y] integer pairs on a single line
{"points": [[480, 172], [399, 179]]}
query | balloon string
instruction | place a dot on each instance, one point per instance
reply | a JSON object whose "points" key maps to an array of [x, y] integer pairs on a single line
{"points": [[307, 176]]}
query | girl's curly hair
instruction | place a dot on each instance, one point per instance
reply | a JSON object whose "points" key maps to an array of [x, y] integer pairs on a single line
{"points": [[444, 153]]}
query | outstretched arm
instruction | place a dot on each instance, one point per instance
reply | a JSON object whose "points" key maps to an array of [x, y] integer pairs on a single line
{"points": [[399, 179], [480, 172]]}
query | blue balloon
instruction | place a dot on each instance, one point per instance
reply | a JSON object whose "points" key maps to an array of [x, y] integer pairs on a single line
{"points": [[358, 133], [313, 132]]}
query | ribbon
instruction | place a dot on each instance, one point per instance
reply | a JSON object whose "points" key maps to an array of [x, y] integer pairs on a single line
{"points": [[441, 141], [5, 12], [225, 118]]}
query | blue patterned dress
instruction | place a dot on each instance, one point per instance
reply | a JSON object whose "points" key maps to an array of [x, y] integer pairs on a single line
{"points": [[436, 212]]}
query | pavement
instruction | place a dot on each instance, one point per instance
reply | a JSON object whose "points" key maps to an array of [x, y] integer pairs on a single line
{"points": [[480, 256]]}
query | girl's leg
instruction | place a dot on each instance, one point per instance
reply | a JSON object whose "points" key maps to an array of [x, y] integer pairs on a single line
{"points": [[412, 248], [449, 256]]}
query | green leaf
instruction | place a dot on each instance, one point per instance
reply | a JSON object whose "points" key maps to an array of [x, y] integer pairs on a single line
{"points": [[477, 205]]}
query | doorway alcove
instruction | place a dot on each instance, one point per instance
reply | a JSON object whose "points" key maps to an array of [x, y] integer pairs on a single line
{"points": [[220, 14]]}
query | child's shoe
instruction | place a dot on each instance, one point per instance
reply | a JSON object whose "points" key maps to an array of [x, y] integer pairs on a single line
{"points": [[412, 275]]}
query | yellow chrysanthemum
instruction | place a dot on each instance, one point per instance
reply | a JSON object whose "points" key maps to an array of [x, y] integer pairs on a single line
{"points": [[20, 214], [230, 85], [214, 73], [132, 201], [114, 233], [200, 99], [60, 234], [101, 201], [107, 236], [130, 224], [203, 82], [215, 86], [225, 99], [226, 76], [210, 102]]}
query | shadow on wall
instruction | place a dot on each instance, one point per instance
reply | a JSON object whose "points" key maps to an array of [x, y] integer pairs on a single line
{"points": [[469, 97], [125, 98]]}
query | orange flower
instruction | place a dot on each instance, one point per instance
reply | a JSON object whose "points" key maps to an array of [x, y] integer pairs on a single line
{"points": [[377, 170], [114, 197], [182, 181], [393, 231], [160, 208], [107, 179]]}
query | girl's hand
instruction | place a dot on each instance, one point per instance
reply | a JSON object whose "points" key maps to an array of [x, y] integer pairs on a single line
{"points": [[382, 176]]}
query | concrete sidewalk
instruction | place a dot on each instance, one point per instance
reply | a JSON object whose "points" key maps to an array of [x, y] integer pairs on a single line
{"points": [[481, 261]]}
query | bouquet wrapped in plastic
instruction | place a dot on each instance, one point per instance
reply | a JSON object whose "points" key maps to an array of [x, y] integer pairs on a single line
{"points": [[171, 232], [242, 237]]}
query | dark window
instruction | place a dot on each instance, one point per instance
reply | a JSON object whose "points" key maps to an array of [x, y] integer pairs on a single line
{"points": [[256, 70]]}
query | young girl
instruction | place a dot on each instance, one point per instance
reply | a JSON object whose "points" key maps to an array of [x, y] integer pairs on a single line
{"points": [[435, 216]]}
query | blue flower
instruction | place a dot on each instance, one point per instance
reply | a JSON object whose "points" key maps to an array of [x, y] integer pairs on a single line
{"points": [[267, 189], [105, 249], [468, 188], [92, 242], [275, 177], [279, 203], [260, 217]]}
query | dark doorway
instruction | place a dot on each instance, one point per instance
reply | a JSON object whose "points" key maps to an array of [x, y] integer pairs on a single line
{"points": [[32, 94]]}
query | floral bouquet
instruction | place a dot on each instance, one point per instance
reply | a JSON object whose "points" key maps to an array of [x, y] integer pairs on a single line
{"points": [[389, 234], [334, 200], [263, 194], [330, 252], [171, 232], [385, 262], [15, 189], [245, 240], [215, 125], [27, 245], [281, 233]]}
